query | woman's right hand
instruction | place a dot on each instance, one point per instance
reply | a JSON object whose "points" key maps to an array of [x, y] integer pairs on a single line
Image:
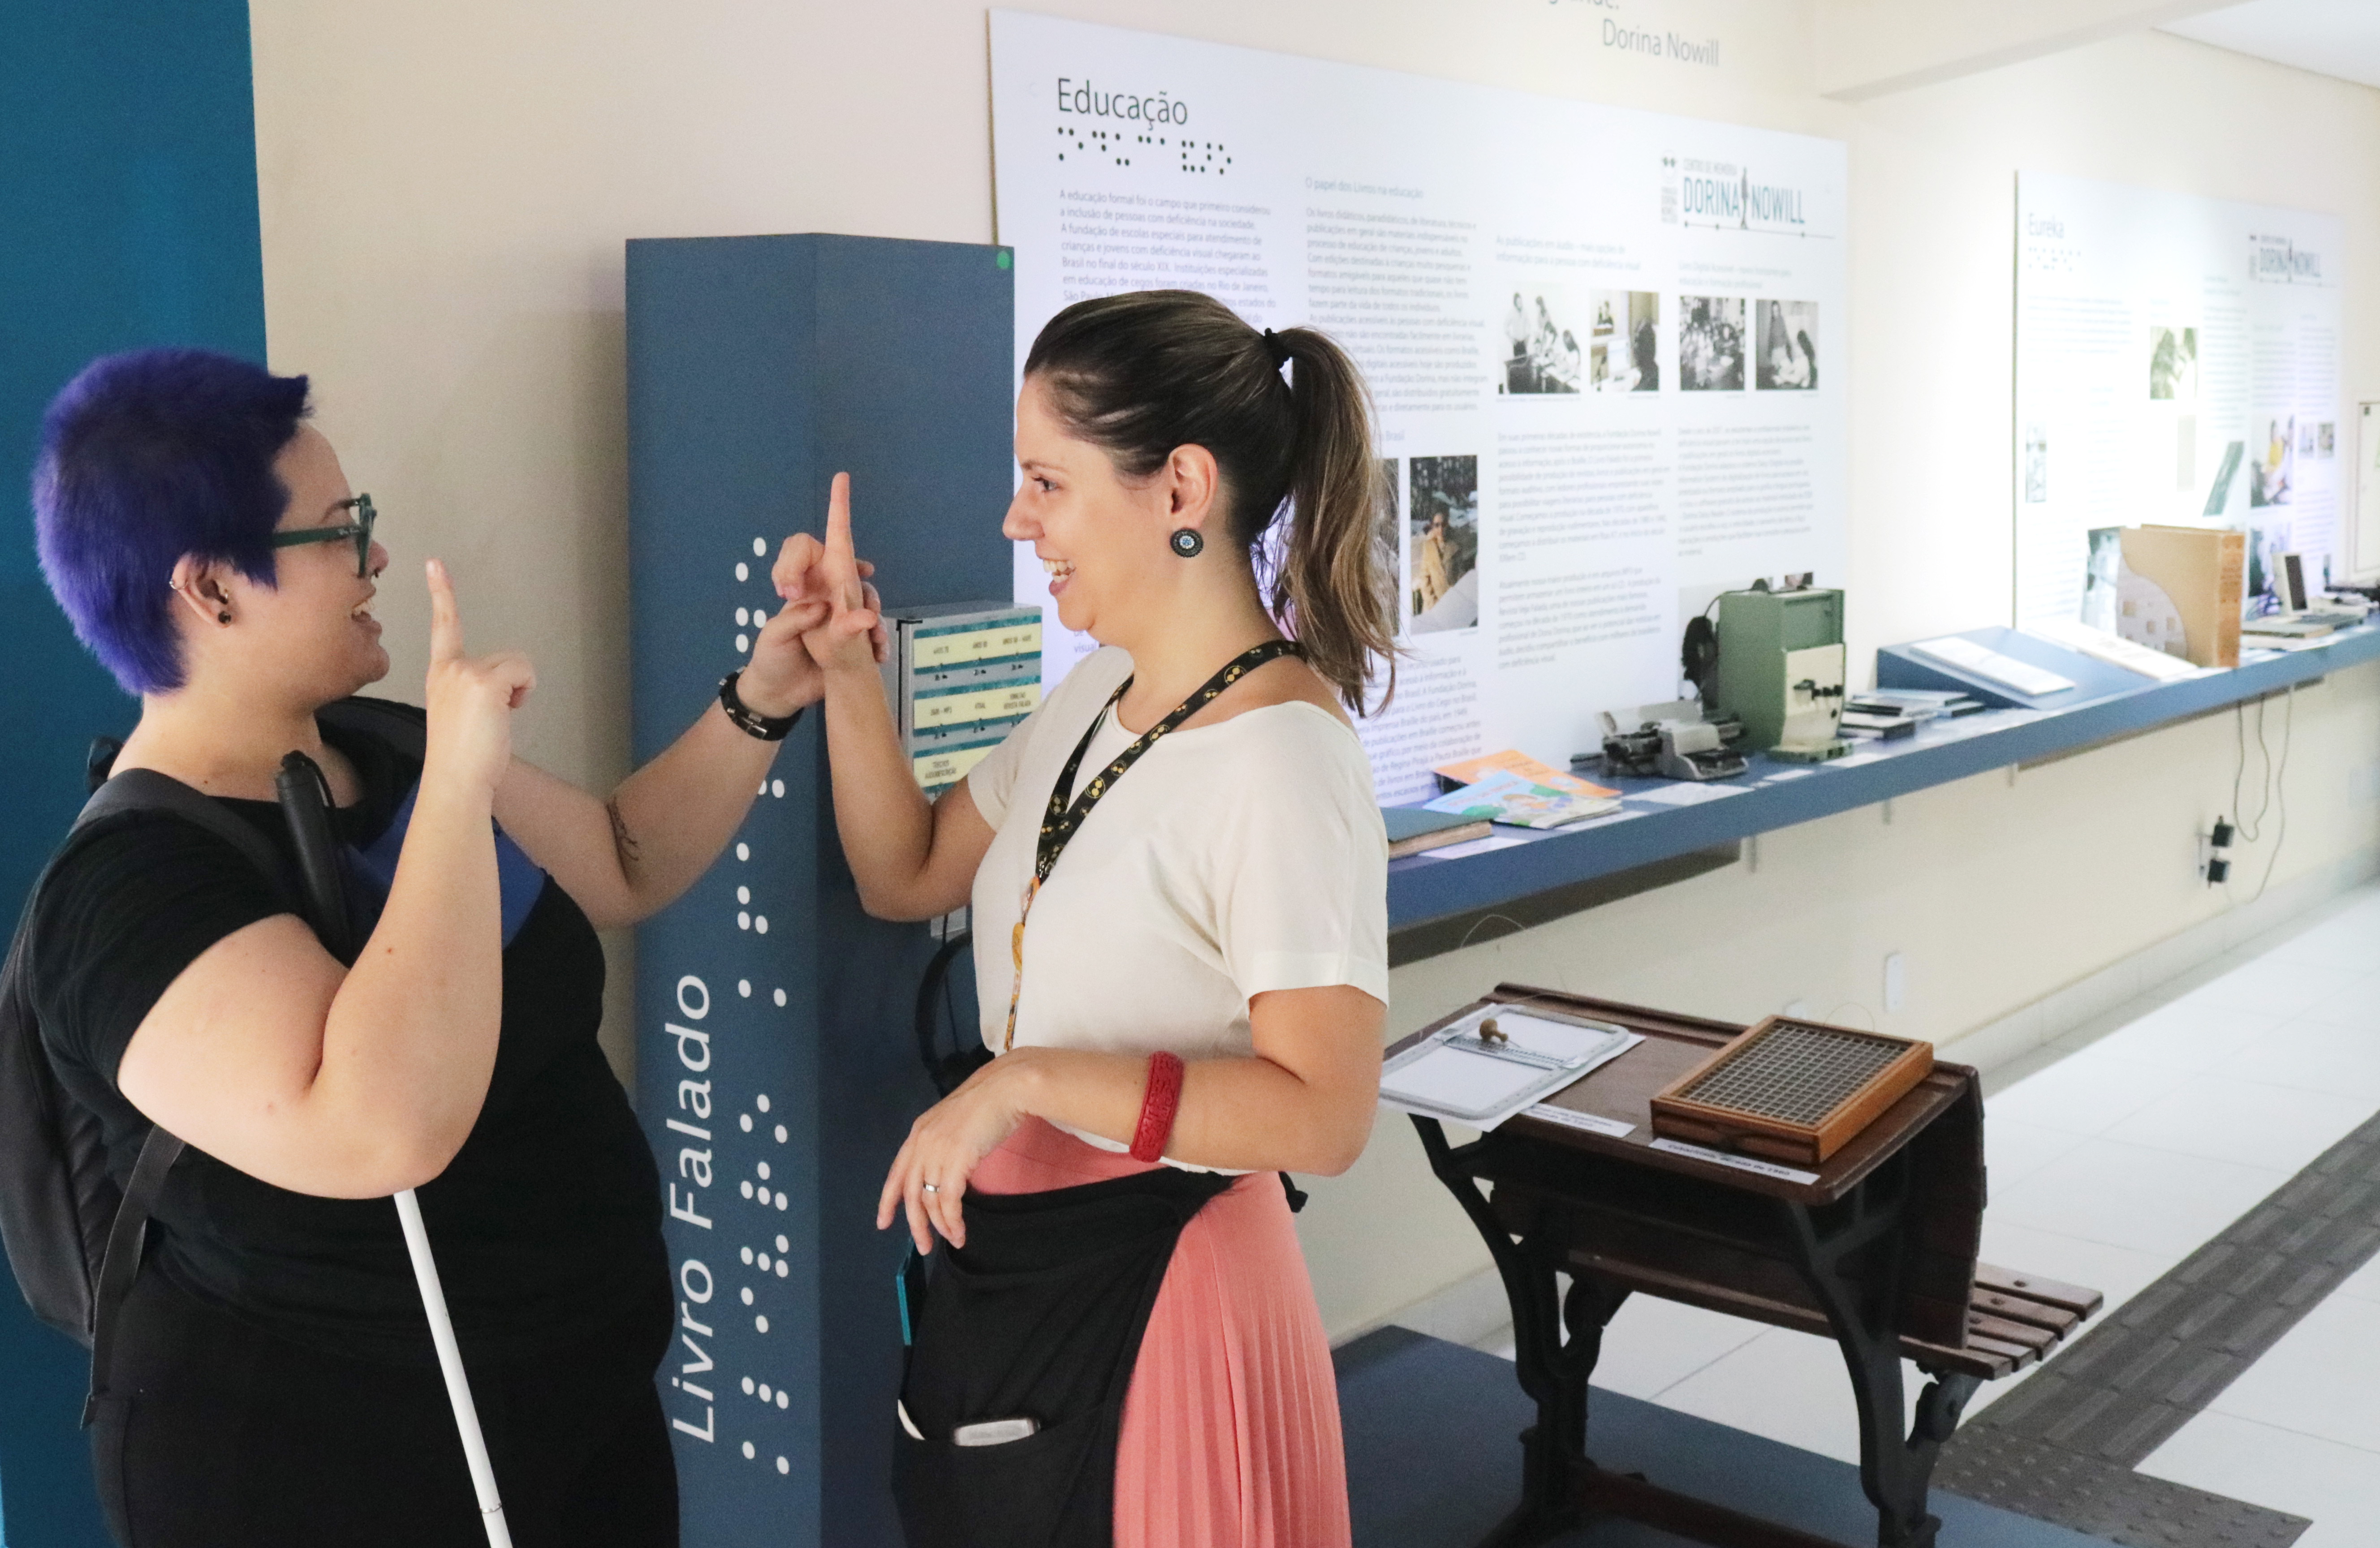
{"points": [[470, 699], [849, 640]]}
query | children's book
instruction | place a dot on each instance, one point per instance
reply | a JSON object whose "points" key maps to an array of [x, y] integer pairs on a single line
{"points": [[1507, 797], [1453, 776]]}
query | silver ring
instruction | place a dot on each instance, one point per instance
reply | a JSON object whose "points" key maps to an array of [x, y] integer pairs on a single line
{"points": [[931, 1188]]}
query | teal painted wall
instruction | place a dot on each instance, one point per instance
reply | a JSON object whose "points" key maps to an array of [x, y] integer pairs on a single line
{"points": [[127, 217]]}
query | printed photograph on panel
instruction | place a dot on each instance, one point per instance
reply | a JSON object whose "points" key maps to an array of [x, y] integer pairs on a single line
{"points": [[1542, 351], [1444, 540], [1710, 344], [2275, 468], [2268, 539], [1389, 554], [1623, 351], [1787, 342], [2173, 364], [2326, 439], [2103, 582], [2218, 493], [2036, 464]]}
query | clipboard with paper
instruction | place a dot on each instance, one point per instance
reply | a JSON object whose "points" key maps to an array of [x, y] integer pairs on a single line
{"points": [[1501, 1058]]}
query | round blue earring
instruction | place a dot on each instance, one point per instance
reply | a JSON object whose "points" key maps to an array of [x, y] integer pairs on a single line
{"points": [[1187, 543]]}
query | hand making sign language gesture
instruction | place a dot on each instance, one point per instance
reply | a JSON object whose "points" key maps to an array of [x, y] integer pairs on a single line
{"points": [[469, 699], [830, 573], [889, 830]]}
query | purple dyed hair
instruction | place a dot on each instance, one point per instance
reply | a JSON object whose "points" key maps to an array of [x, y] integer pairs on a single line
{"points": [[147, 457]]}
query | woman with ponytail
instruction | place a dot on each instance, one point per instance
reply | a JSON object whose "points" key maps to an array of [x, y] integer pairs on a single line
{"points": [[1179, 879]]}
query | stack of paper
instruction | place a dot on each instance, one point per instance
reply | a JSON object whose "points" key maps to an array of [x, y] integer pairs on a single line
{"points": [[1942, 704], [1457, 1074]]}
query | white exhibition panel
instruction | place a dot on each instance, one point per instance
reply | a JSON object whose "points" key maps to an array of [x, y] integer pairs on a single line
{"points": [[1606, 346], [2177, 362]]}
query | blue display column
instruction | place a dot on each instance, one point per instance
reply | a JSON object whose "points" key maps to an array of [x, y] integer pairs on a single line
{"points": [[776, 1069]]}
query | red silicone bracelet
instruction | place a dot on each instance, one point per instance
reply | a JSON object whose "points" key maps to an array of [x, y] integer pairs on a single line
{"points": [[1157, 1107]]}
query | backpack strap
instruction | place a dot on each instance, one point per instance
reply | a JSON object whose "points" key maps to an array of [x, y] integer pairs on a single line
{"points": [[402, 726], [145, 790], [124, 1239]]}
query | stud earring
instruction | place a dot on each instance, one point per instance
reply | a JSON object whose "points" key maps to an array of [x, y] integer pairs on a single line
{"points": [[1187, 543], [223, 618]]}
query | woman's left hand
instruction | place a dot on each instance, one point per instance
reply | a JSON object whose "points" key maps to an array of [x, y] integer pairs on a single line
{"points": [[946, 1144], [780, 677]]}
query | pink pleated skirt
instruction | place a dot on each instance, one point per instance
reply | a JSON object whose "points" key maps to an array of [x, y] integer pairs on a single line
{"points": [[1231, 1430]]}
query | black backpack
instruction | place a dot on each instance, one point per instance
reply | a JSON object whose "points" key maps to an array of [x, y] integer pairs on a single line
{"points": [[73, 1238]]}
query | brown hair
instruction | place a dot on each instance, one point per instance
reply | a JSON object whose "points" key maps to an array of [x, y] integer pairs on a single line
{"points": [[1142, 374]]}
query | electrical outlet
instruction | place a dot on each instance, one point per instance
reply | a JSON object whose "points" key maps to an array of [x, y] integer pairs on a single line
{"points": [[1797, 1009], [1896, 980], [2214, 852]]}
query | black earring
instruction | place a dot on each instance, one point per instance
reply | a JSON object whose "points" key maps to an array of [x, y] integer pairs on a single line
{"points": [[224, 617], [1187, 543]]}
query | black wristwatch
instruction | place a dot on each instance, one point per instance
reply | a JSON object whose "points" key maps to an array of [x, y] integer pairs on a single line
{"points": [[750, 721]]}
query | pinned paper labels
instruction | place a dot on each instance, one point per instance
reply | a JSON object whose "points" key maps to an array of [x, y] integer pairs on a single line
{"points": [[1740, 1163], [1570, 1118]]}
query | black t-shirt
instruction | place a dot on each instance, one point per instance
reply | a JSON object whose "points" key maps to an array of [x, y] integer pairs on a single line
{"points": [[547, 1223]]}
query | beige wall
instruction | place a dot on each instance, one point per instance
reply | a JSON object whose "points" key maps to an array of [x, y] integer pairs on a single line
{"points": [[447, 188]]}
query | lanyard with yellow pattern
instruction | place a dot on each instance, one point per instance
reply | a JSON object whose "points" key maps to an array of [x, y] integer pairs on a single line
{"points": [[1060, 821]]}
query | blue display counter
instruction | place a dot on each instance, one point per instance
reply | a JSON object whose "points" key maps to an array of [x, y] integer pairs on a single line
{"points": [[1427, 893]]}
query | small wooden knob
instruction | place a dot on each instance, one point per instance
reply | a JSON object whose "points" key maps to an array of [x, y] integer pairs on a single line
{"points": [[1490, 1033]]}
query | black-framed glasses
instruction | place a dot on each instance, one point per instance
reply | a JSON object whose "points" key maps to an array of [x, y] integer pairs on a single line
{"points": [[360, 529]]}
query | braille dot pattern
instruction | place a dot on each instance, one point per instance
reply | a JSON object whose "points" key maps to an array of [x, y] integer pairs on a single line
{"points": [[1794, 1074]]}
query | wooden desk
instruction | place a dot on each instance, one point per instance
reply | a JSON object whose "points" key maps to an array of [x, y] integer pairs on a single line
{"points": [[1878, 1251]]}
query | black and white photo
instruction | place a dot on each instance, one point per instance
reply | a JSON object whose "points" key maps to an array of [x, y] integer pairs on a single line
{"points": [[1787, 342], [1710, 344], [1542, 350], [1623, 341]]}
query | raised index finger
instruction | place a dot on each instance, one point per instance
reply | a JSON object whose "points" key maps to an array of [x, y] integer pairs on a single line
{"points": [[841, 566], [445, 623]]}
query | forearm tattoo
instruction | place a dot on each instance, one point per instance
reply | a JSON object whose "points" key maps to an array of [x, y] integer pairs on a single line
{"points": [[623, 840]]}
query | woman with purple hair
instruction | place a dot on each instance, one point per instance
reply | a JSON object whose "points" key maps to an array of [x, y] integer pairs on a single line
{"points": [[273, 1380]]}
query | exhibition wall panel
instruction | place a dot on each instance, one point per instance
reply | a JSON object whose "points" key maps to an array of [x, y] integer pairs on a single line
{"points": [[1599, 341], [2177, 362], [451, 270]]}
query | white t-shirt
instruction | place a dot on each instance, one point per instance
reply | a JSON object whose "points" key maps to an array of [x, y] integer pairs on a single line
{"points": [[1231, 859]]}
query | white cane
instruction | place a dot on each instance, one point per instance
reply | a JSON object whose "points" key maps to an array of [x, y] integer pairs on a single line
{"points": [[306, 805], [450, 1365]]}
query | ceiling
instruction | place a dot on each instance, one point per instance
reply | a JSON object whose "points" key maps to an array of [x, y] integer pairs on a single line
{"points": [[2337, 37]]}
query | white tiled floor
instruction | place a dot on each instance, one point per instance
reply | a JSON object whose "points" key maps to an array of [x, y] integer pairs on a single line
{"points": [[2114, 1154]]}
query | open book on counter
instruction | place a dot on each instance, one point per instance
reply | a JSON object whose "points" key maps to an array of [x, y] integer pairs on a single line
{"points": [[1511, 787]]}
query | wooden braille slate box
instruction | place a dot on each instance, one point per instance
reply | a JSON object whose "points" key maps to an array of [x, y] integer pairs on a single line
{"points": [[1791, 1090]]}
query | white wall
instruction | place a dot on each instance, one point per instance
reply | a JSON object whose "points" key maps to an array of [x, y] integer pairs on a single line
{"points": [[447, 188]]}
